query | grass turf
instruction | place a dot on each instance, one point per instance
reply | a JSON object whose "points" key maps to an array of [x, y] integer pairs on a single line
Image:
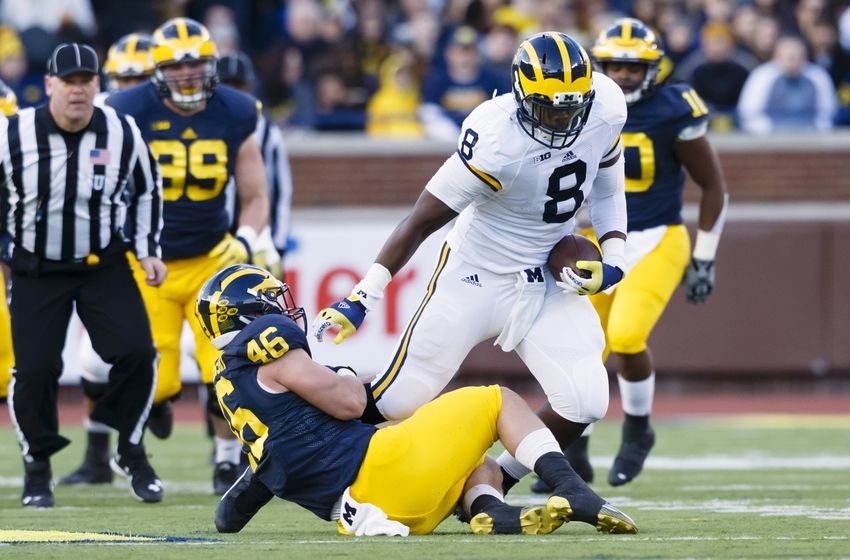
{"points": [[737, 487]]}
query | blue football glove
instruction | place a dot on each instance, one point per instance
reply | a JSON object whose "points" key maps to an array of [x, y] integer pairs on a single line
{"points": [[602, 277], [348, 314], [699, 276]]}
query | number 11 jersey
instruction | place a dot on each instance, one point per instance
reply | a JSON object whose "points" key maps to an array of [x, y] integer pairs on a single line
{"points": [[197, 156], [517, 197]]}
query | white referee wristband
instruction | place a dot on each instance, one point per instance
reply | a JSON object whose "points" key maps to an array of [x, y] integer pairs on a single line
{"points": [[705, 247], [614, 252], [371, 287]]}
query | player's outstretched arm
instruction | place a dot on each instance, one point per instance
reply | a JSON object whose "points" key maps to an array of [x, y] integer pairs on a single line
{"points": [[702, 164], [341, 396], [428, 215]]}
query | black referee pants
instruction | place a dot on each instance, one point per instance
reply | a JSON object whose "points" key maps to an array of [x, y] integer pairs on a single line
{"points": [[110, 306]]}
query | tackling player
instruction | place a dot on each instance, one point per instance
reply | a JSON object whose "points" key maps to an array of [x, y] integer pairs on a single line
{"points": [[664, 135], [525, 164], [298, 422], [8, 107], [202, 135]]}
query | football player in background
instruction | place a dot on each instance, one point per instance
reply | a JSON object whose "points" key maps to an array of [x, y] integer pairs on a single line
{"points": [[664, 135], [202, 135], [524, 166], [236, 70], [8, 107], [127, 64], [299, 422]]}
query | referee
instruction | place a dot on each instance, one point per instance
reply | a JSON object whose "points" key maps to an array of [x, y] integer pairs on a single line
{"points": [[64, 197]]}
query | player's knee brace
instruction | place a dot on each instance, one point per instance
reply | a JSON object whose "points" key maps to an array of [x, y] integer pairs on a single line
{"points": [[213, 408]]}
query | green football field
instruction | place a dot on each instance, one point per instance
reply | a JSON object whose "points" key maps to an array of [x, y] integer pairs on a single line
{"points": [[737, 487]]}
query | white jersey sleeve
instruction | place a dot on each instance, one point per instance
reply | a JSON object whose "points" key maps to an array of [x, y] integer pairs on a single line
{"points": [[474, 171]]}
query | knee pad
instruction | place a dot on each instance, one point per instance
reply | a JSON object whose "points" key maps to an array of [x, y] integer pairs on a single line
{"points": [[587, 402], [212, 402]]}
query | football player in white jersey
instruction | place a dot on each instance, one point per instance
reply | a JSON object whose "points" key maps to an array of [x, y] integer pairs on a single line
{"points": [[525, 164]]}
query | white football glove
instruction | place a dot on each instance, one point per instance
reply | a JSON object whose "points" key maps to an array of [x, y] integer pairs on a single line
{"points": [[261, 247]]}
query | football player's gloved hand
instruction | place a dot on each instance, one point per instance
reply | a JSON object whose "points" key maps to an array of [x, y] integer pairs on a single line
{"points": [[348, 314], [261, 249], [699, 276], [602, 277], [264, 254]]}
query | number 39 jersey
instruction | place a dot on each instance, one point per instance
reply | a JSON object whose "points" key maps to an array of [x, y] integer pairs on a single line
{"points": [[517, 197], [300, 453], [196, 156], [654, 175]]}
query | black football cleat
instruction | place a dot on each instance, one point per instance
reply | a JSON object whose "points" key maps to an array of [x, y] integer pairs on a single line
{"points": [[248, 493], [38, 485], [224, 476], [504, 519], [161, 420], [133, 463], [89, 473], [633, 452]]}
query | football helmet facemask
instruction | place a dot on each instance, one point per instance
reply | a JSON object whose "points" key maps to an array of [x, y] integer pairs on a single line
{"points": [[553, 88], [237, 295], [128, 58], [630, 41], [184, 41], [8, 100]]}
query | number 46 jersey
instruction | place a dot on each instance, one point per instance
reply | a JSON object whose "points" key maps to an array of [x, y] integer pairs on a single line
{"points": [[517, 197], [196, 156]]}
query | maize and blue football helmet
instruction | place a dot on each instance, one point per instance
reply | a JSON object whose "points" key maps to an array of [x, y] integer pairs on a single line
{"points": [[237, 295], [178, 41], [630, 41], [553, 88], [129, 58]]}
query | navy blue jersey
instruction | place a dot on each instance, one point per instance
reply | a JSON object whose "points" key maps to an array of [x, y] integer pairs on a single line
{"points": [[196, 155], [301, 454], [654, 175]]}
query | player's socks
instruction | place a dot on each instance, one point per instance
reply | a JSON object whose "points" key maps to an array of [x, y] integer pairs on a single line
{"points": [[579, 460], [638, 440], [95, 467]]}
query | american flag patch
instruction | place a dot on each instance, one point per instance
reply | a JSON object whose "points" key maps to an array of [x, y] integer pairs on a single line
{"points": [[99, 157]]}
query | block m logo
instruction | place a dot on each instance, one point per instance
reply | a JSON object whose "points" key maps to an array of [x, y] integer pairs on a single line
{"points": [[533, 275]]}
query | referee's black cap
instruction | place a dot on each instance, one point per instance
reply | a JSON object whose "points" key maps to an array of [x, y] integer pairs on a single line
{"points": [[235, 68], [72, 58]]}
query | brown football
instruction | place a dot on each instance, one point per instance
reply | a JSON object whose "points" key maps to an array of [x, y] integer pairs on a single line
{"points": [[570, 249]]}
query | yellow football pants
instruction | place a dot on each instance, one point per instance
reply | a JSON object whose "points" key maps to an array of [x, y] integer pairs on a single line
{"points": [[416, 470], [174, 301], [630, 313], [7, 358]]}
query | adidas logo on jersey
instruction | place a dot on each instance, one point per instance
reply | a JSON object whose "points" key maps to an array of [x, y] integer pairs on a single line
{"points": [[568, 155], [471, 279]]}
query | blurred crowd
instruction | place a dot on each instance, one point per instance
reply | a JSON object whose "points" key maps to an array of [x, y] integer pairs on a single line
{"points": [[415, 68]]}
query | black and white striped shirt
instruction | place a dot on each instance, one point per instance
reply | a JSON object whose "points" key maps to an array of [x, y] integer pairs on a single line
{"points": [[63, 196]]}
